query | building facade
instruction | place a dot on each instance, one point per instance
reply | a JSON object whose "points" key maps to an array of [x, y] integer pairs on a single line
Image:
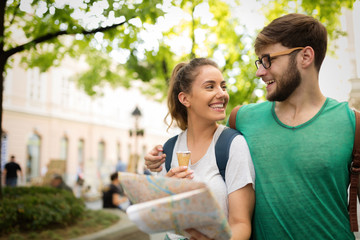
{"points": [[47, 118]]}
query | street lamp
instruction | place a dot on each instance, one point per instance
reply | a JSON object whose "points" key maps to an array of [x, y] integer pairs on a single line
{"points": [[136, 132]]}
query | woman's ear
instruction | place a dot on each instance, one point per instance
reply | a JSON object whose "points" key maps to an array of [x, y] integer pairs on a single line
{"points": [[183, 98]]}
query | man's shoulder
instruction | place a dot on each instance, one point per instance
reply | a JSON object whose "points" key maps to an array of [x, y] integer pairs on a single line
{"points": [[337, 107], [257, 106], [254, 108], [12, 164]]}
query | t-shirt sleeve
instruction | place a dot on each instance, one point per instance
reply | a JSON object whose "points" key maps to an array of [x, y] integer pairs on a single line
{"points": [[239, 169], [117, 190]]}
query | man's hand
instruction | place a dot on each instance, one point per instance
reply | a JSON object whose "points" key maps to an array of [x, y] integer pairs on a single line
{"points": [[155, 158]]}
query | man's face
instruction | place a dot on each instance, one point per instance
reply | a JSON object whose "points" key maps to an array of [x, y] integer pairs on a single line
{"points": [[282, 78]]}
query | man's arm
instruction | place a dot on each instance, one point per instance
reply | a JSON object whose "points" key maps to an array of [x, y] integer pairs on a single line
{"points": [[153, 159], [117, 199], [3, 176], [21, 175]]}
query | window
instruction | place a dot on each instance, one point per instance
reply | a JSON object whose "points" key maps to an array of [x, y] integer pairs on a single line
{"points": [[4, 144], [118, 151], [33, 157], [65, 91], [36, 84], [101, 153], [64, 145]]}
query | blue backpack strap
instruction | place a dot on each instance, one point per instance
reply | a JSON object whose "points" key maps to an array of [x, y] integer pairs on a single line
{"points": [[222, 148], [168, 149]]}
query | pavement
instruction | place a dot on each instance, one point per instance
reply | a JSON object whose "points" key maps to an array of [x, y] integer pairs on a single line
{"points": [[127, 230], [124, 229]]}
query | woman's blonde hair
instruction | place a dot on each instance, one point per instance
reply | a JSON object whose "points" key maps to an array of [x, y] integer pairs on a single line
{"points": [[182, 77]]}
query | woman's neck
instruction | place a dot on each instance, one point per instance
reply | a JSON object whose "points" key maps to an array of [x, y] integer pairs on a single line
{"points": [[199, 137]]}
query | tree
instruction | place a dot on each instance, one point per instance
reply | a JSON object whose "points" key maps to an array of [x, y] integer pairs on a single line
{"points": [[222, 35], [45, 27], [52, 29], [328, 12], [218, 37]]}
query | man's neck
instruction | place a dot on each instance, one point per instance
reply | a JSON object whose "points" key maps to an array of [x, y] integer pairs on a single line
{"points": [[298, 109]]}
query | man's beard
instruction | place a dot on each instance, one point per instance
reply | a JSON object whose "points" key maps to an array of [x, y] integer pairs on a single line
{"points": [[290, 80]]}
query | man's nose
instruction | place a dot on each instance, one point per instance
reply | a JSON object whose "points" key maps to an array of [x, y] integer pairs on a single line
{"points": [[260, 71]]}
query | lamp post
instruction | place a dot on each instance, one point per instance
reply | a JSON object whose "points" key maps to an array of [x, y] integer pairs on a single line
{"points": [[136, 132]]}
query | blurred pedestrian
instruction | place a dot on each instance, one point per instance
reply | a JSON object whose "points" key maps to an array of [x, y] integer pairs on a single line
{"points": [[11, 171], [59, 183], [114, 195]]}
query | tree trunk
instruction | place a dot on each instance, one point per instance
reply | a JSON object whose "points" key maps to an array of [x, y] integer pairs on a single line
{"points": [[2, 78], [3, 60]]}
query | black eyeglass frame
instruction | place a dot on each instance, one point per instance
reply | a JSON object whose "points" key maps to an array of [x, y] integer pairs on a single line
{"points": [[272, 55]]}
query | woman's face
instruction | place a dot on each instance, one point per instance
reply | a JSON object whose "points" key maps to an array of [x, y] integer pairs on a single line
{"points": [[208, 97]]}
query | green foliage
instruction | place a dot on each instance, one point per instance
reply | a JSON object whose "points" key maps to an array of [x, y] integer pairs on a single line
{"points": [[101, 67], [37, 208], [49, 30], [46, 31], [328, 12]]}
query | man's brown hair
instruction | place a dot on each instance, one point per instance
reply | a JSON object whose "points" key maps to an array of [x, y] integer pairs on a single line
{"points": [[295, 30]]}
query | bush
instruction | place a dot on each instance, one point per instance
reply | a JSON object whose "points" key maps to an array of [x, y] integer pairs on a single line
{"points": [[38, 208]]}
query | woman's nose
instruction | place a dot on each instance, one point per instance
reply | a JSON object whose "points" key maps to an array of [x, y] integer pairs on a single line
{"points": [[220, 92]]}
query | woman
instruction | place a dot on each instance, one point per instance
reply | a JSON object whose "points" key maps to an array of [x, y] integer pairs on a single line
{"points": [[197, 99]]}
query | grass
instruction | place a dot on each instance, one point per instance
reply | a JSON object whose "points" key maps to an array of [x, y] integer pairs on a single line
{"points": [[93, 221]]}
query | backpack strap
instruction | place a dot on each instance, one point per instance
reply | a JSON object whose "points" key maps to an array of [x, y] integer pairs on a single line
{"points": [[354, 176], [168, 149], [222, 148], [232, 118]]}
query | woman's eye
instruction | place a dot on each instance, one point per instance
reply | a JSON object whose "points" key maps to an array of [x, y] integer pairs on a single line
{"points": [[209, 87], [224, 87]]}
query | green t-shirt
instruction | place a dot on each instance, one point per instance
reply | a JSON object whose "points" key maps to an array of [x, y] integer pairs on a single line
{"points": [[302, 172]]}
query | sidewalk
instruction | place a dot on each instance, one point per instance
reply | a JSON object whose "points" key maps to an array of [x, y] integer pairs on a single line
{"points": [[124, 229]]}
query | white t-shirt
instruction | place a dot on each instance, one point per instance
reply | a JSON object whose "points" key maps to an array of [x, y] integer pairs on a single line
{"points": [[239, 169]]}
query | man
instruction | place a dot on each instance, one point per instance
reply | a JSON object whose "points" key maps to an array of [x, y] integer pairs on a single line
{"points": [[113, 195], [300, 141], [59, 183], [11, 171]]}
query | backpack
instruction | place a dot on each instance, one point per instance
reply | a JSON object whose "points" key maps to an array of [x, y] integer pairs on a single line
{"points": [[222, 148], [354, 169]]}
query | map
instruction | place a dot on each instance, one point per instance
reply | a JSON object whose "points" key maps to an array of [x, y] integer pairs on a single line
{"points": [[163, 204]]}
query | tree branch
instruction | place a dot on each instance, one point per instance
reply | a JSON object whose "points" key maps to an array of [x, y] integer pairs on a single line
{"points": [[15, 12], [50, 36]]}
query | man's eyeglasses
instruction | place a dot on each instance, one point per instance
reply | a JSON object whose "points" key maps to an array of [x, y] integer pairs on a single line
{"points": [[265, 60]]}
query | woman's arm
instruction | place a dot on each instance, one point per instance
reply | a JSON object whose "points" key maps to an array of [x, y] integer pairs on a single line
{"points": [[241, 207]]}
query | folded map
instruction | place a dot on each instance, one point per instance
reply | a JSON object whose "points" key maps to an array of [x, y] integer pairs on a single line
{"points": [[161, 204]]}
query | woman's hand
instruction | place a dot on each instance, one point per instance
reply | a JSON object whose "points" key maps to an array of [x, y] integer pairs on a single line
{"points": [[196, 235], [180, 172]]}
